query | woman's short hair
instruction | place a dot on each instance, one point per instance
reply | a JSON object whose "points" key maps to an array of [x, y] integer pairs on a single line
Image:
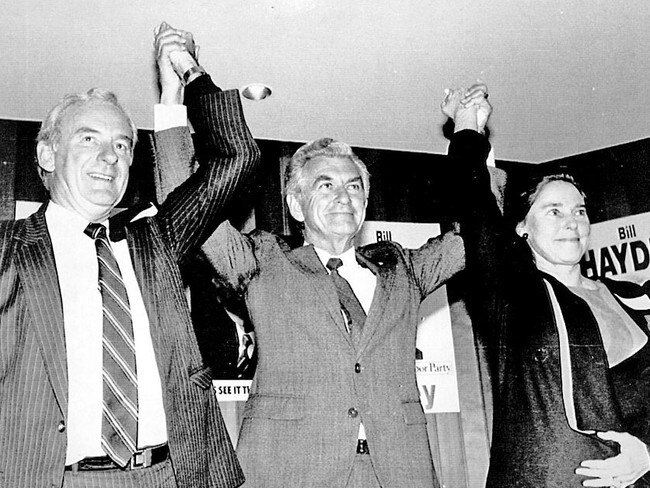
{"points": [[522, 200], [50, 131], [324, 147]]}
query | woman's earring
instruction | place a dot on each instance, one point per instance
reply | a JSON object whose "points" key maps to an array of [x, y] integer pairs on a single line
{"points": [[525, 235]]}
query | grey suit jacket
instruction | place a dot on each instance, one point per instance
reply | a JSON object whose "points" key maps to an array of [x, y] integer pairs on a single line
{"points": [[33, 374], [312, 385]]}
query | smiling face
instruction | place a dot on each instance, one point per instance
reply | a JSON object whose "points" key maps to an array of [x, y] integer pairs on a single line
{"points": [[331, 202], [557, 226], [90, 162]]}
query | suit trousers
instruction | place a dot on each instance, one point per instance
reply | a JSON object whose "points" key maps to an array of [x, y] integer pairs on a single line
{"points": [[158, 476], [363, 473]]}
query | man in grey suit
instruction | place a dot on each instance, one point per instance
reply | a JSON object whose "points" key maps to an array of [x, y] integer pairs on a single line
{"points": [[101, 380], [334, 400]]}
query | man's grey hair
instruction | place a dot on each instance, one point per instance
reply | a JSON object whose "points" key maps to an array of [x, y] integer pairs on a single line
{"points": [[50, 132], [324, 147]]}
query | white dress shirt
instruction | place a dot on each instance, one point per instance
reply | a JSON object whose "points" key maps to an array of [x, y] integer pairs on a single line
{"points": [[77, 269]]}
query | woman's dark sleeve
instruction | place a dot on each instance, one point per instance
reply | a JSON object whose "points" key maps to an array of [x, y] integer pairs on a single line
{"points": [[486, 242]]}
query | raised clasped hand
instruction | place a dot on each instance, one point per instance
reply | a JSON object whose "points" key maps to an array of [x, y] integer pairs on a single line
{"points": [[175, 53], [469, 108], [451, 103], [169, 39], [477, 95]]}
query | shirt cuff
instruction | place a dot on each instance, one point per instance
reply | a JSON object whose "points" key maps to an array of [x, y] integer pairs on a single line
{"points": [[490, 159], [169, 116]]}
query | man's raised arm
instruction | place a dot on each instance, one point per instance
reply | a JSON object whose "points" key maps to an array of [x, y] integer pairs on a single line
{"points": [[192, 211]]}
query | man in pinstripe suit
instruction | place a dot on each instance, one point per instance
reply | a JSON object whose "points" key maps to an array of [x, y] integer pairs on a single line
{"points": [[51, 431]]}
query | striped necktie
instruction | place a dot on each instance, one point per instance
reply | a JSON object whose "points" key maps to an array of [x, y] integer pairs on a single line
{"points": [[352, 309], [120, 384]]}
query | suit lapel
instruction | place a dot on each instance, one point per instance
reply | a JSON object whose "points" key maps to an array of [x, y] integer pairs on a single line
{"points": [[149, 275], [306, 260], [37, 270]]}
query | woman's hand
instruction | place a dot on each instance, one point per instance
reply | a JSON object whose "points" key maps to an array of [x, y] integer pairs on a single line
{"points": [[468, 108], [621, 470]]}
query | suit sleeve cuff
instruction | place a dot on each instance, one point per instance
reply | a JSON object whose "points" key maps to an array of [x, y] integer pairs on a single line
{"points": [[200, 86]]}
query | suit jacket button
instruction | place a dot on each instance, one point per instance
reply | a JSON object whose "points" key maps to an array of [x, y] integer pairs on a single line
{"points": [[353, 412], [357, 368], [61, 426]]}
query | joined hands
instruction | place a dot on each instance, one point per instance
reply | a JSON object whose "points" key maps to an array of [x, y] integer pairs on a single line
{"points": [[469, 109]]}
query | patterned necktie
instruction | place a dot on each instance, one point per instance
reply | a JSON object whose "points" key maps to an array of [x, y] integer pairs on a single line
{"points": [[120, 384], [352, 309]]}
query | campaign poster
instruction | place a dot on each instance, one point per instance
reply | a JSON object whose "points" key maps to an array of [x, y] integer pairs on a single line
{"points": [[435, 362], [619, 249]]}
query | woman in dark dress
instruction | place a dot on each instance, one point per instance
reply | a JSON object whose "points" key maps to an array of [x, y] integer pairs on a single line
{"points": [[570, 355]]}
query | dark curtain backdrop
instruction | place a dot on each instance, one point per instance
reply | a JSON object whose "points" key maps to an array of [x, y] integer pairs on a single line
{"points": [[616, 179], [406, 186]]}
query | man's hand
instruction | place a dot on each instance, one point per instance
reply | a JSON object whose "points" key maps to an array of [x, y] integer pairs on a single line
{"points": [[175, 54], [621, 470], [451, 102]]}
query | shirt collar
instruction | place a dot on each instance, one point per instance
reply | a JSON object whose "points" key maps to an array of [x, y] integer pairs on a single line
{"points": [[63, 218], [349, 257]]}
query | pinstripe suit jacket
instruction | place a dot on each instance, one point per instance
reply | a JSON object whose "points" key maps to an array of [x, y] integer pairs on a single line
{"points": [[33, 374], [312, 385]]}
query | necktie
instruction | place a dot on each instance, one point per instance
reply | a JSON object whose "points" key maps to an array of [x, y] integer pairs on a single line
{"points": [[352, 309], [245, 360], [120, 385]]}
